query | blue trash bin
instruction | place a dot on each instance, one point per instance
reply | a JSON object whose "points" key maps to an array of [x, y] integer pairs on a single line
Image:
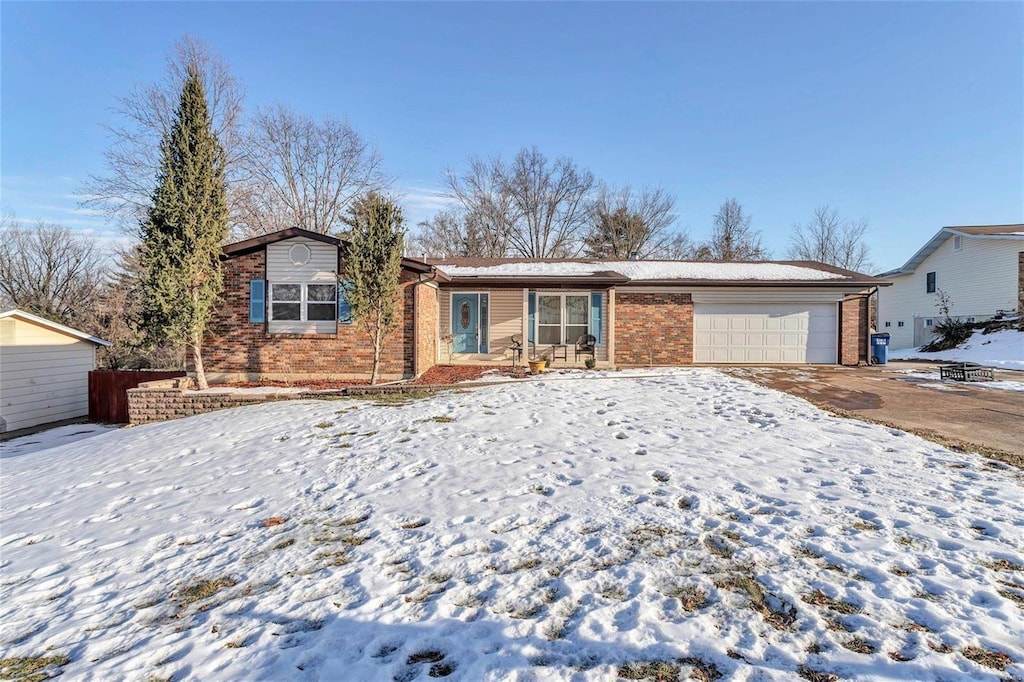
{"points": [[880, 348]]}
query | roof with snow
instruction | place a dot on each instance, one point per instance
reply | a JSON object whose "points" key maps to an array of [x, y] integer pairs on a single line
{"points": [[649, 271], [1013, 232], [54, 326]]}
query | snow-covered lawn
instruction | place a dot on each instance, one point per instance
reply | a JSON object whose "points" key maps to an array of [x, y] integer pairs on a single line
{"points": [[550, 529], [999, 349]]}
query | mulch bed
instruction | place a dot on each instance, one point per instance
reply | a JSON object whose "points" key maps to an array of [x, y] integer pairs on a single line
{"points": [[439, 375], [317, 385]]}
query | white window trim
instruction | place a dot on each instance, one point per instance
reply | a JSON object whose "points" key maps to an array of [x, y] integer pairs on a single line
{"points": [[303, 302], [958, 242], [562, 295]]}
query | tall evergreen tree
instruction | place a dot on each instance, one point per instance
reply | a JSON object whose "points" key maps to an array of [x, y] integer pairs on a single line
{"points": [[186, 224], [373, 266]]}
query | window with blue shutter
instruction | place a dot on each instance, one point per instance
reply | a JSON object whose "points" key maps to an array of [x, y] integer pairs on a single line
{"points": [[257, 301], [531, 327], [344, 309], [596, 315]]}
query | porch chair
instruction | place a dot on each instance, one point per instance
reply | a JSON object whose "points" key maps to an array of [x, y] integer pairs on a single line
{"points": [[586, 345], [516, 348]]}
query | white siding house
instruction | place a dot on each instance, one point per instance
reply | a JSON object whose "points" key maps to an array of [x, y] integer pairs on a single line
{"points": [[977, 268], [44, 371]]}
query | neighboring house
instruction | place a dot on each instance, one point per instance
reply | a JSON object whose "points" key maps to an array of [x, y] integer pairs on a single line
{"points": [[44, 371], [980, 269], [284, 316]]}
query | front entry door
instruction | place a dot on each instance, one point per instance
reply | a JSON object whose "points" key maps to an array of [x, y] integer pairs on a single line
{"points": [[465, 322]]}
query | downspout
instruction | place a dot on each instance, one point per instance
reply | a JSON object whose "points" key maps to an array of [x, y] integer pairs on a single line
{"points": [[874, 291]]}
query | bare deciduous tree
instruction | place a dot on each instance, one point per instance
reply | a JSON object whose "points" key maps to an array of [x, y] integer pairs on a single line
{"points": [[49, 270], [732, 238], [550, 204], [147, 114], [486, 215], [459, 233], [300, 172], [829, 239], [629, 225]]}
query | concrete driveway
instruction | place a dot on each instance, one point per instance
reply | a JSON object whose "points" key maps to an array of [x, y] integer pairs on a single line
{"points": [[911, 397]]}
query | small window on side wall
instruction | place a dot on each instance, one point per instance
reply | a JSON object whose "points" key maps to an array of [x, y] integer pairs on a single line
{"points": [[888, 324], [958, 242], [929, 283], [900, 323]]}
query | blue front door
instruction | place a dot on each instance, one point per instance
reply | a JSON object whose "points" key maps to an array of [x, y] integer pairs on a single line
{"points": [[465, 322]]}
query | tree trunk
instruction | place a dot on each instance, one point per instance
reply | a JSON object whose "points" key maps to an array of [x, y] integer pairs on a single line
{"points": [[376, 354], [197, 360]]}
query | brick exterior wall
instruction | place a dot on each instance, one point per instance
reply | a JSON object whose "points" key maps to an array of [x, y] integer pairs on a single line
{"points": [[428, 309], [236, 349], [158, 401], [653, 328], [853, 330]]}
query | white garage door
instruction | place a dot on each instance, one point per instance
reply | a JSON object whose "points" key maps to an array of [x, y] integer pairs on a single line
{"points": [[756, 333]]}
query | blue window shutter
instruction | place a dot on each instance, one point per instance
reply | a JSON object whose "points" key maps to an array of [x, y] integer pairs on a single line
{"points": [[257, 300], [530, 320], [596, 315], [344, 309]]}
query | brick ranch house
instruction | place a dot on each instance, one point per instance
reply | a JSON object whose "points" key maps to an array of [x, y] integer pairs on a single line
{"points": [[283, 314]]}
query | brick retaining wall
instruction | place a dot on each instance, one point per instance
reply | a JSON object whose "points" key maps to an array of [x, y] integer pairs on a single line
{"points": [[157, 401]]}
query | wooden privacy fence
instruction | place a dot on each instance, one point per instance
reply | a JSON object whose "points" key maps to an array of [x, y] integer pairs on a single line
{"points": [[108, 397]]}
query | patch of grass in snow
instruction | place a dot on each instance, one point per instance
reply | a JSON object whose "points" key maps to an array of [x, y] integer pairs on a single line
{"points": [[865, 525], [686, 503], [470, 600], [655, 671], [813, 675], [284, 543], [338, 558], [425, 593], [351, 520], [859, 646], [775, 611], [930, 596], [906, 541], [940, 647], [441, 419], [819, 598], [1003, 565], [702, 670], [691, 597], [442, 669], [425, 656], [804, 552], [203, 589], [900, 571], [614, 592], [912, 626], [31, 668], [395, 399], [525, 564], [323, 425], [899, 656], [718, 547], [1013, 596], [734, 536], [986, 657]]}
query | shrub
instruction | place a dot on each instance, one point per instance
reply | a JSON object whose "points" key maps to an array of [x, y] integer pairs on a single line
{"points": [[951, 333]]}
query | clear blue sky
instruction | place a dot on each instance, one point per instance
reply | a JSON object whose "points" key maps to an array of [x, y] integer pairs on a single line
{"points": [[910, 115]]}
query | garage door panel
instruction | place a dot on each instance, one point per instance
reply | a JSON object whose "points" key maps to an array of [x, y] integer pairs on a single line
{"points": [[765, 333]]}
